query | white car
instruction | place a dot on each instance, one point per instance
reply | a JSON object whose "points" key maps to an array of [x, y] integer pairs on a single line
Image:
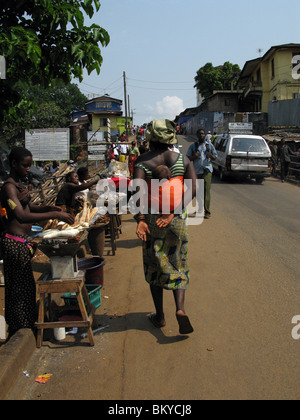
{"points": [[242, 155]]}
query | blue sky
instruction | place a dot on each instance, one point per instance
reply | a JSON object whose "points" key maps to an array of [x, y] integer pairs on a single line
{"points": [[160, 45]]}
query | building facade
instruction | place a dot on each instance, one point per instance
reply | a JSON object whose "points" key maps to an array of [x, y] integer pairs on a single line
{"points": [[270, 78], [105, 112]]}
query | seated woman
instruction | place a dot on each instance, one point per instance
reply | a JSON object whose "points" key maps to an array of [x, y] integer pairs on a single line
{"points": [[65, 197], [83, 177], [20, 289]]}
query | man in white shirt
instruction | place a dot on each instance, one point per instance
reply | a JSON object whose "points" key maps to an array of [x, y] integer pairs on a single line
{"points": [[123, 149]]}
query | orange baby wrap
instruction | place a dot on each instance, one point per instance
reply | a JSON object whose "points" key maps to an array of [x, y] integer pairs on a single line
{"points": [[165, 196]]}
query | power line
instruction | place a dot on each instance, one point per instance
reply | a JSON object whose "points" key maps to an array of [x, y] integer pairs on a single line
{"points": [[99, 88], [96, 87], [148, 81], [149, 88]]}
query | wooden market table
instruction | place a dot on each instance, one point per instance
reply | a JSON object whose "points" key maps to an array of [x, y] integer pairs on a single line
{"points": [[46, 286]]}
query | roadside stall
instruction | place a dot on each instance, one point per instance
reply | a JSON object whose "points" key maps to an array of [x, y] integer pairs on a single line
{"points": [[78, 281], [68, 274]]}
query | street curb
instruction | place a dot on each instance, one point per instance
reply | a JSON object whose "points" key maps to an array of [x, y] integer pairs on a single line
{"points": [[14, 356]]}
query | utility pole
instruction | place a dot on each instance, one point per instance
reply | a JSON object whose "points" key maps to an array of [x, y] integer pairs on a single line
{"points": [[128, 112], [125, 99]]}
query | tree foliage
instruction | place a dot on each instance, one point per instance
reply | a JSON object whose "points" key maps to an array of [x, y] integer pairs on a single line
{"points": [[42, 108], [210, 78], [45, 40]]}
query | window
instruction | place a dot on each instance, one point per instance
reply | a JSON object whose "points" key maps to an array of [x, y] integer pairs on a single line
{"points": [[249, 145], [218, 141], [103, 122], [273, 68], [296, 95], [221, 145], [224, 144], [258, 75], [103, 105]]}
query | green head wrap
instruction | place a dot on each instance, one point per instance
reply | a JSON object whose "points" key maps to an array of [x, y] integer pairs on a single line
{"points": [[162, 131]]}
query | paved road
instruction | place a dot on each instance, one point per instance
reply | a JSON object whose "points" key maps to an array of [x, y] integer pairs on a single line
{"points": [[243, 295]]}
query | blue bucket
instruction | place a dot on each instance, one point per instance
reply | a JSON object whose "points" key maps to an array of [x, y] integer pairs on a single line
{"points": [[35, 230]]}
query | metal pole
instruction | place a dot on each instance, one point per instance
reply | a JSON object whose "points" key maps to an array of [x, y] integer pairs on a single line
{"points": [[125, 99], [129, 114]]}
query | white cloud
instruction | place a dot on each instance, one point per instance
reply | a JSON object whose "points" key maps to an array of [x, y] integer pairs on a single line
{"points": [[169, 107]]}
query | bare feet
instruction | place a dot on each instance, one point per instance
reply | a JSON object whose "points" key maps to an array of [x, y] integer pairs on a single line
{"points": [[185, 326], [156, 321]]}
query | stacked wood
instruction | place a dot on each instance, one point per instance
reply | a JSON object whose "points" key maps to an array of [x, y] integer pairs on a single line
{"points": [[46, 194]]}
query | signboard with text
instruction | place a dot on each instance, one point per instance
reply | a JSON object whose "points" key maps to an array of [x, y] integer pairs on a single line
{"points": [[95, 136], [97, 152], [48, 144]]}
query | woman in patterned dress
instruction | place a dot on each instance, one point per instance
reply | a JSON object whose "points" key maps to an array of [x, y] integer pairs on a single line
{"points": [[20, 288], [165, 236]]}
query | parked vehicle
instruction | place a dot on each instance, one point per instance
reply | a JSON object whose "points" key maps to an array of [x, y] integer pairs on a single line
{"points": [[242, 155]]}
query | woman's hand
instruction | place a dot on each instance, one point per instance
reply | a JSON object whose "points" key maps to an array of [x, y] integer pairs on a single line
{"points": [[142, 231], [164, 220], [65, 217]]}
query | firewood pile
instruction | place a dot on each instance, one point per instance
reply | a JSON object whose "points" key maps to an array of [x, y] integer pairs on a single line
{"points": [[46, 193]]}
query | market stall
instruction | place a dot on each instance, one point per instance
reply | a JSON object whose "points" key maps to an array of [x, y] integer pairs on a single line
{"points": [[61, 242]]}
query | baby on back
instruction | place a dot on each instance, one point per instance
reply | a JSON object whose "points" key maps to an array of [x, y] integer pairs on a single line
{"points": [[161, 172]]}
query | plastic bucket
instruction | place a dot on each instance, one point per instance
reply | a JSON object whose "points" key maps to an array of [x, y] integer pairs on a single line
{"points": [[122, 158], [93, 268], [35, 230]]}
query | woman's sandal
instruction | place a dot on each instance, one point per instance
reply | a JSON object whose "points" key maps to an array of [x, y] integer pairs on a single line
{"points": [[185, 327]]}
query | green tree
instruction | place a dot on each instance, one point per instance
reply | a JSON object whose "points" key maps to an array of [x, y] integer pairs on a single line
{"points": [[67, 96], [45, 40], [210, 78], [46, 115], [49, 108]]}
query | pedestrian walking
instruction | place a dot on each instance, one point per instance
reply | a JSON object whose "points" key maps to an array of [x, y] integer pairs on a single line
{"points": [[133, 152], [285, 153], [201, 153], [164, 245]]}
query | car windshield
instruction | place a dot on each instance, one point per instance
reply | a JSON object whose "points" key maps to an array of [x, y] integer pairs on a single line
{"points": [[249, 145]]}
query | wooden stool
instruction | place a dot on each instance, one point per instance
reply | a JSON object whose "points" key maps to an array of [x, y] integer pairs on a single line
{"points": [[72, 285]]}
